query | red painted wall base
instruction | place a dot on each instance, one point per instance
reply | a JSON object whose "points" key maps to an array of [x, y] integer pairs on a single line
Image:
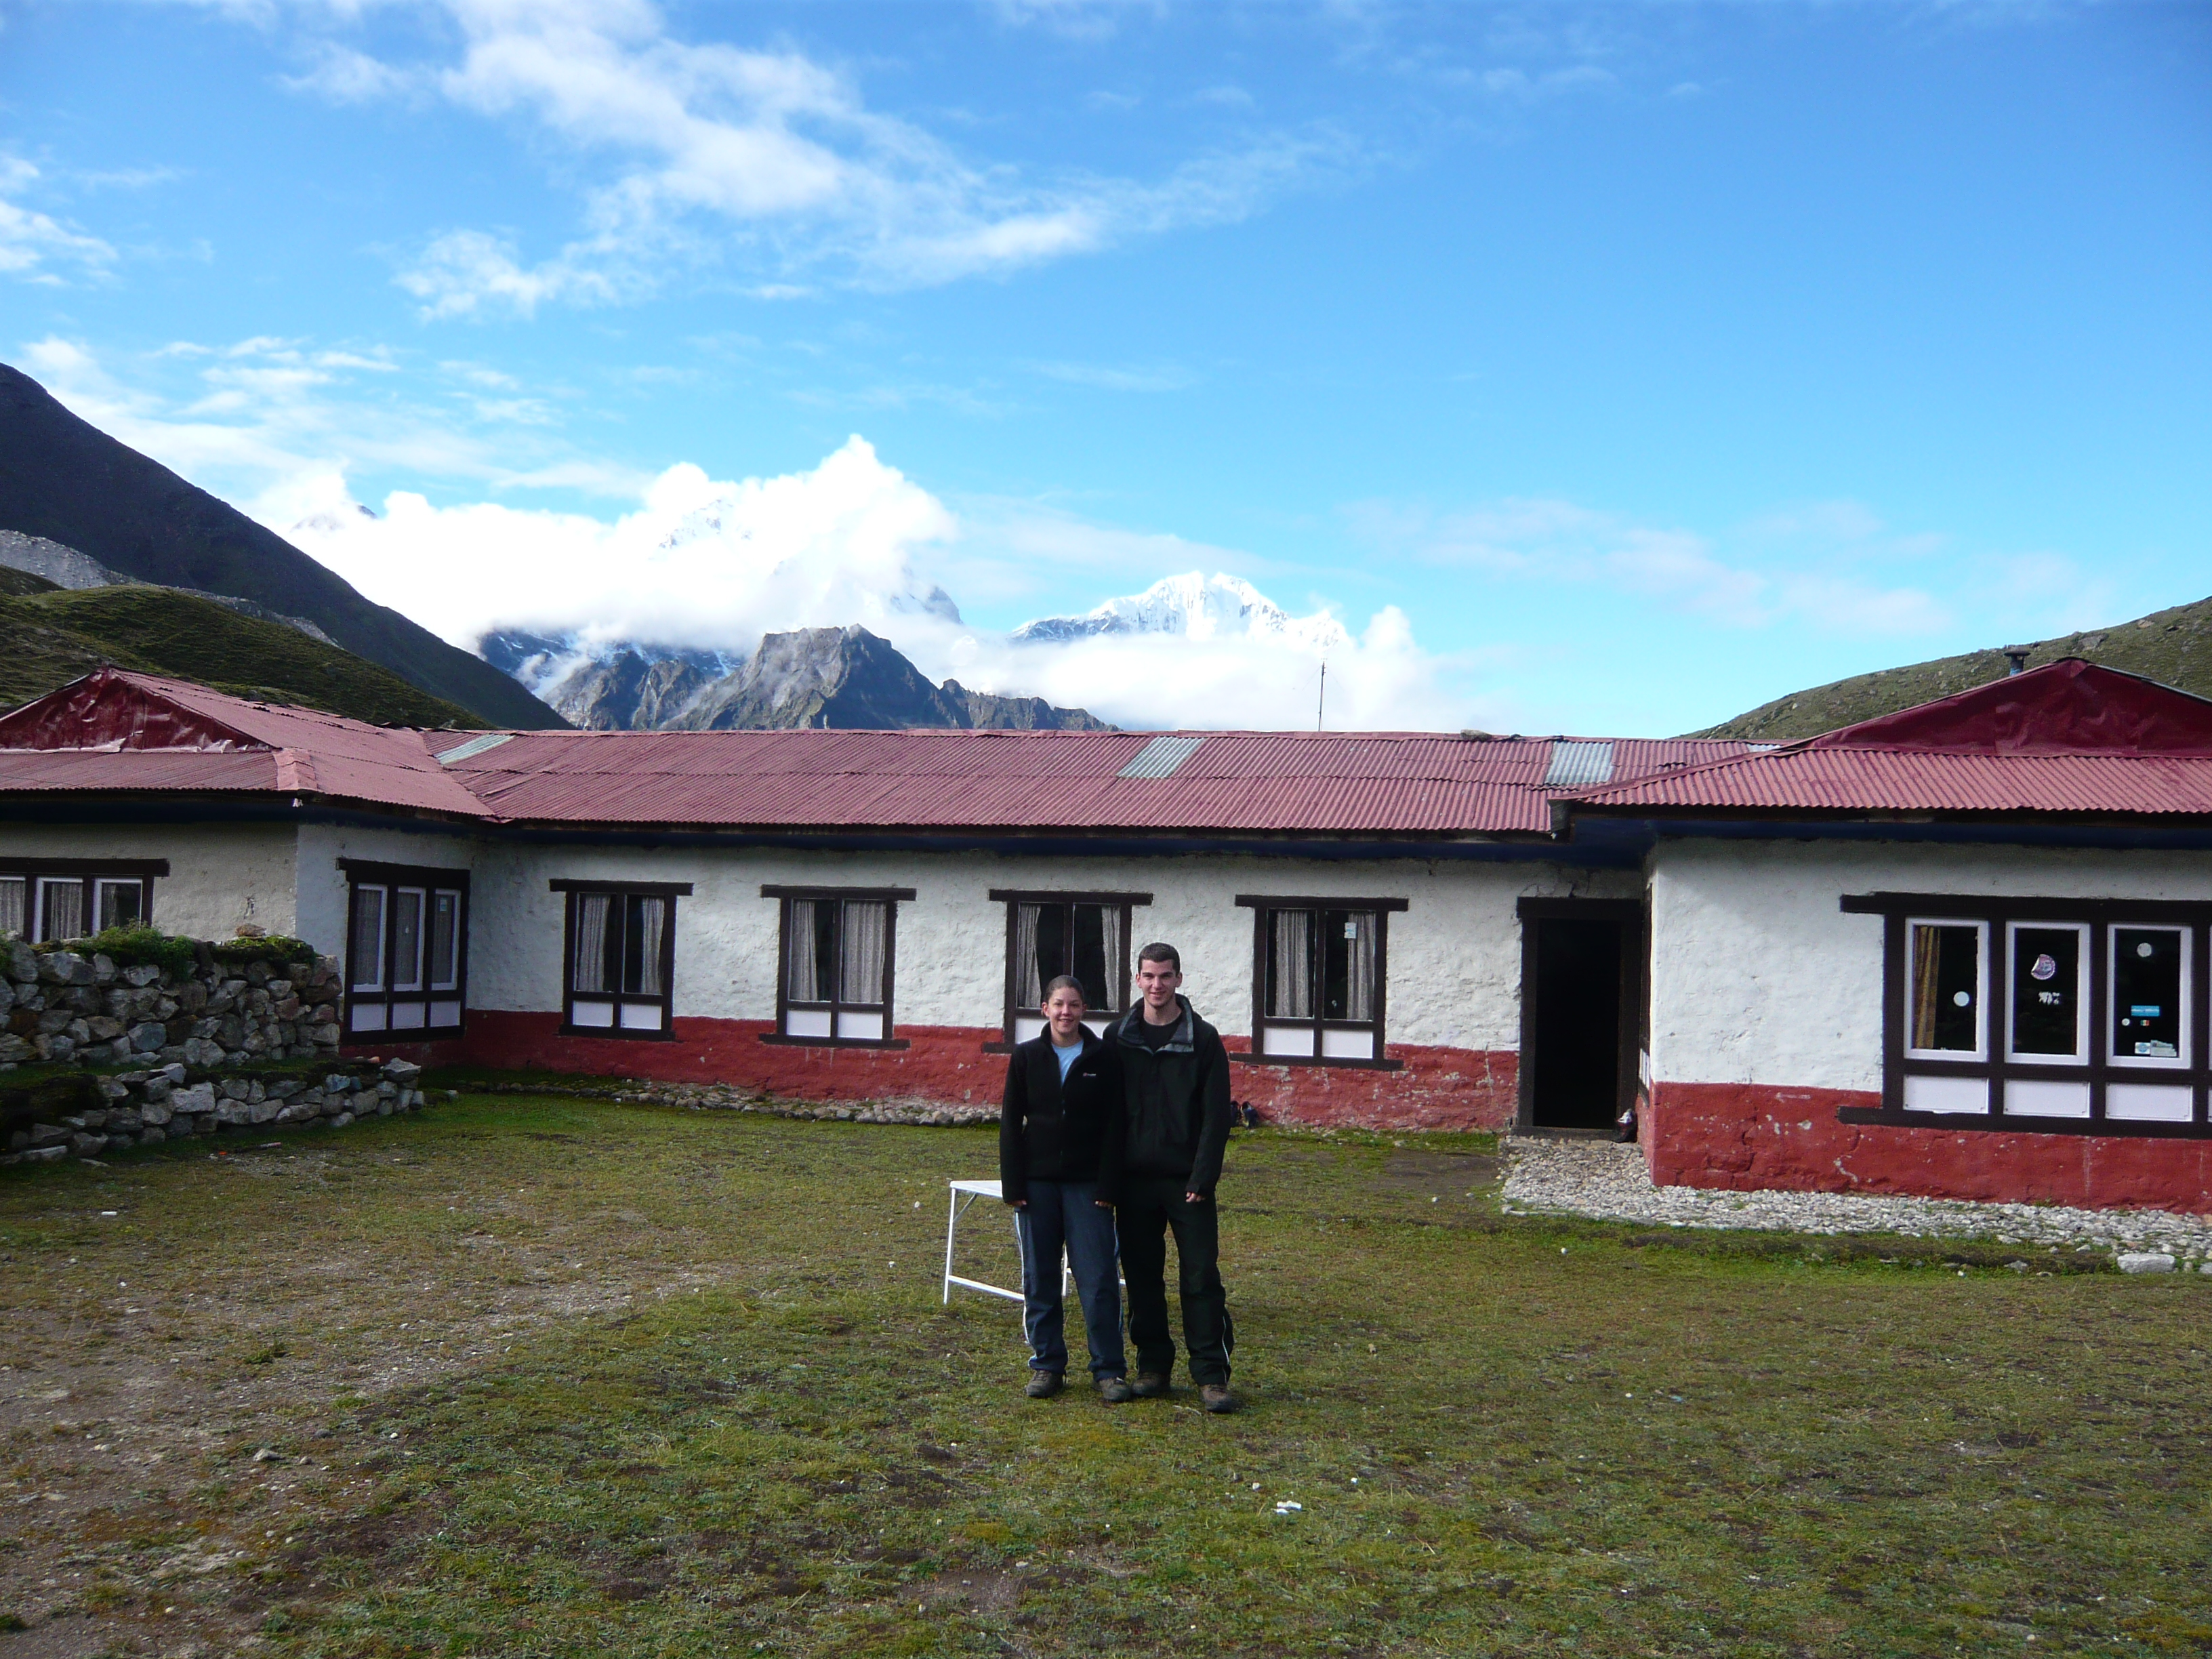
{"points": [[1742, 1137], [1435, 1088]]}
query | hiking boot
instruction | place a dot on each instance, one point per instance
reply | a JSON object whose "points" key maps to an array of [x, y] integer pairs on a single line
{"points": [[1216, 1397], [1115, 1390], [1044, 1384], [1151, 1385]]}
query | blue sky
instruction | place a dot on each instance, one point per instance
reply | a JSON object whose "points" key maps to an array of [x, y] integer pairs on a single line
{"points": [[1607, 368]]}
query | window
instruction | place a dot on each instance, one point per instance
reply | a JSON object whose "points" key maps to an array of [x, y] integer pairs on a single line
{"points": [[397, 980], [2060, 1014], [621, 959], [1318, 977], [46, 899], [1082, 935], [837, 958]]}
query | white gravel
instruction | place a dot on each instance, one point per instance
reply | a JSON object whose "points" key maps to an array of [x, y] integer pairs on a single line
{"points": [[1613, 1183]]}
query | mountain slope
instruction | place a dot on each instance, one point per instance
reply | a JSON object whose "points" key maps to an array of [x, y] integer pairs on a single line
{"points": [[65, 480], [2173, 648], [48, 636]]}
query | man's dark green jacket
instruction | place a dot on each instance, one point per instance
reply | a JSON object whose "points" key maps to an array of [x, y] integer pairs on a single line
{"points": [[1176, 1112]]}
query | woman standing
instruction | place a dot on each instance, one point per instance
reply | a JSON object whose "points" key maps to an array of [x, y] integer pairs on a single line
{"points": [[1062, 1087]]}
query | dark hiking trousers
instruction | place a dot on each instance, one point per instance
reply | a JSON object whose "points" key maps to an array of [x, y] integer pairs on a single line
{"points": [[1149, 1208], [1062, 1217]]}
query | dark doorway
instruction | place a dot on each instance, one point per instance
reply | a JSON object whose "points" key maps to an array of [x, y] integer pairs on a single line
{"points": [[1576, 1041]]}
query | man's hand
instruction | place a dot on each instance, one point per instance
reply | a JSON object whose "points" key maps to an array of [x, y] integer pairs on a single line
{"points": [[1104, 1203], [1193, 1198], [1018, 1203]]}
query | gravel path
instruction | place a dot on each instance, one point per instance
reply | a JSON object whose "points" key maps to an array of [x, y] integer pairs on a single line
{"points": [[1613, 1183]]}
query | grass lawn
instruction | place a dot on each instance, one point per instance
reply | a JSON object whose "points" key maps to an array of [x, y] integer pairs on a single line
{"points": [[531, 1375]]}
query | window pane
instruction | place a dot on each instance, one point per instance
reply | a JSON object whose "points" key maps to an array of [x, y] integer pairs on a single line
{"points": [[121, 903], [599, 934], [813, 947], [1347, 938], [365, 953], [2046, 988], [444, 940], [407, 940], [866, 921], [1030, 972], [1947, 987], [2146, 992], [1290, 964], [12, 919], [61, 907], [1087, 953], [644, 944]]}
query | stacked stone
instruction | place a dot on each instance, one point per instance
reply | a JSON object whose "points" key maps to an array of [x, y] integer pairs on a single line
{"points": [[144, 1109], [58, 1006]]}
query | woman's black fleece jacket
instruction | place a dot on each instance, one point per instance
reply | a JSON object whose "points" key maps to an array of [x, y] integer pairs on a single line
{"points": [[1052, 1132]]}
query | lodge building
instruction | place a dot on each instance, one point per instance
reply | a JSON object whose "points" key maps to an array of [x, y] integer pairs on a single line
{"points": [[1956, 951]]}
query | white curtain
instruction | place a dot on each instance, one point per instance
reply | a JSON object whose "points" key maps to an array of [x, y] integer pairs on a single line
{"points": [[861, 982], [1291, 978], [445, 941], [591, 910], [65, 908], [799, 982], [1360, 929], [649, 916], [1028, 972], [1116, 952], [407, 940], [367, 953], [12, 889]]}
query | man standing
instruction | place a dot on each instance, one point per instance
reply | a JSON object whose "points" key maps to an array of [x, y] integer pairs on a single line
{"points": [[1160, 1168]]}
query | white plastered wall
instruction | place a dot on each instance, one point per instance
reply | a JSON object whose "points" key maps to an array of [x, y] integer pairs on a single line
{"points": [[220, 875], [1759, 977], [1454, 953]]}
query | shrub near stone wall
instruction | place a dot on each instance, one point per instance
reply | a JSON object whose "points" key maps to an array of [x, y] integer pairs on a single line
{"points": [[183, 1002], [116, 1111]]}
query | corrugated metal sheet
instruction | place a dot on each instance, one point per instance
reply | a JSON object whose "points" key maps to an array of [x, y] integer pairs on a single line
{"points": [[1161, 758], [1892, 781], [33, 771], [1578, 765]]}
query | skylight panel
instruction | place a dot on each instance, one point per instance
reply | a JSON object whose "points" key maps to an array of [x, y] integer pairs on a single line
{"points": [[1163, 757], [474, 747], [1579, 765]]}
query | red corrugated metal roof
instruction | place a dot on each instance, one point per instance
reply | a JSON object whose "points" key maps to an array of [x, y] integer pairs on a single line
{"points": [[2068, 738], [178, 737]]}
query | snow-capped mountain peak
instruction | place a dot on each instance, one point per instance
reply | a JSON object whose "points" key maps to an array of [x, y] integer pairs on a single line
{"points": [[1193, 606]]}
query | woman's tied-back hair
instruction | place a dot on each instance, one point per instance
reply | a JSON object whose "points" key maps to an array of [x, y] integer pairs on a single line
{"points": [[1157, 953], [1066, 982]]}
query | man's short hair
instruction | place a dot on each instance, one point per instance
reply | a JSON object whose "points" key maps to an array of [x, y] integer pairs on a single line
{"points": [[1157, 953], [1067, 982]]}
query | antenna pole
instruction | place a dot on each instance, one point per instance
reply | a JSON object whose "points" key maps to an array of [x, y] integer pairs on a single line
{"points": [[1320, 697]]}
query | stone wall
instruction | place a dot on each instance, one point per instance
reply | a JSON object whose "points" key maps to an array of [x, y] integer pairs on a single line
{"points": [[64, 1007], [146, 1108]]}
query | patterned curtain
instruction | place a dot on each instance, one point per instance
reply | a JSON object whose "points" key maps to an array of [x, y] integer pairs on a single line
{"points": [[1116, 952], [1360, 930], [1289, 976], [862, 979], [1028, 972], [1927, 948], [12, 889], [366, 970], [648, 919], [64, 906], [799, 981], [593, 912]]}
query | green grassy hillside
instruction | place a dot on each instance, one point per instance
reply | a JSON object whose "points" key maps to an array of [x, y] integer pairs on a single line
{"points": [[2173, 648], [48, 636]]}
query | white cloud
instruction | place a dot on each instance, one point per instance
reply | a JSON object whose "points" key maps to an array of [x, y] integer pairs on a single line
{"points": [[712, 565], [1156, 377], [764, 158], [1559, 541], [35, 247]]}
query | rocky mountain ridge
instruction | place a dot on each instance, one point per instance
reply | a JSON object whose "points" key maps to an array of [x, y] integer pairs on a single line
{"points": [[808, 678]]}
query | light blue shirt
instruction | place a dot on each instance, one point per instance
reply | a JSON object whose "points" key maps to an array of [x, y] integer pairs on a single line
{"points": [[1068, 1057]]}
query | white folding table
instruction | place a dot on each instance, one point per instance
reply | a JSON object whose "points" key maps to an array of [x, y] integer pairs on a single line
{"points": [[965, 1192]]}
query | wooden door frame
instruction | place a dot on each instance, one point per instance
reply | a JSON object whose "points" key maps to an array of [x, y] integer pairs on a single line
{"points": [[1629, 912]]}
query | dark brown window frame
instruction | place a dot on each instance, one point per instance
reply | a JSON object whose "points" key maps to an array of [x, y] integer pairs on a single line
{"points": [[1012, 897], [572, 889], [1999, 914], [367, 872], [1260, 904], [891, 898], [89, 872]]}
